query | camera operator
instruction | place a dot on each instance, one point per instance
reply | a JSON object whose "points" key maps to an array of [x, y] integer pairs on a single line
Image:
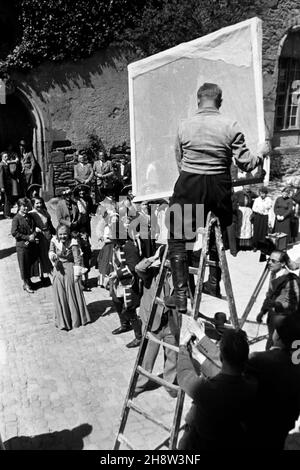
{"points": [[222, 403], [283, 296]]}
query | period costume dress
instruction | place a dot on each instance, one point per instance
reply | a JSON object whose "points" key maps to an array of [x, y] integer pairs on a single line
{"points": [[43, 222], [244, 227], [104, 260], [260, 218], [285, 208], [22, 227], [70, 307]]}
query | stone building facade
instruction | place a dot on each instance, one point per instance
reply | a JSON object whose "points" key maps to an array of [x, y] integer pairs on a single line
{"points": [[56, 106]]}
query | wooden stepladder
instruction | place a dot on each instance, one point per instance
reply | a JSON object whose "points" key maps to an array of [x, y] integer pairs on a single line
{"points": [[212, 224]]}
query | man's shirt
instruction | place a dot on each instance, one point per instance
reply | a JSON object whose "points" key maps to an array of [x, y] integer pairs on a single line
{"points": [[207, 142]]}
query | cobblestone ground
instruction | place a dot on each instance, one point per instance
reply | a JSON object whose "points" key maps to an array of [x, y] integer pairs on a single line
{"points": [[65, 390]]}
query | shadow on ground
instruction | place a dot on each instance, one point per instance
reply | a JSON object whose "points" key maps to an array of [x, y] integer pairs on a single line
{"points": [[7, 252], [60, 440], [100, 308]]}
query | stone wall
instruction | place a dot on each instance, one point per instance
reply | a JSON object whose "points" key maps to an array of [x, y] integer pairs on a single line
{"points": [[90, 96], [76, 99], [285, 162]]}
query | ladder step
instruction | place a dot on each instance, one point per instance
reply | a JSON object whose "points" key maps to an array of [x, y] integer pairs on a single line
{"points": [[159, 301], [208, 263], [122, 438], [151, 337], [156, 379], [146, 415]]}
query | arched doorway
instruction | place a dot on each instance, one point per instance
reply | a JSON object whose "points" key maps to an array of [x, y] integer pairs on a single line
{"points": [[21, 119], [16, 122]]}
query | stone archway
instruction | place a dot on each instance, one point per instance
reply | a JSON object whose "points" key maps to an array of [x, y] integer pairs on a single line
{"points": [[20, 118]]}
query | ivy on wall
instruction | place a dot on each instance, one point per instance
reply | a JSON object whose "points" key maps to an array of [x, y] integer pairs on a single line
{"points": [[60, 30]]}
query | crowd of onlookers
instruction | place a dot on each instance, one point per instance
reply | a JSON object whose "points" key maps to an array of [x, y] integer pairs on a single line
{"points": [[19, 172], [238, 407], [257, 215]]}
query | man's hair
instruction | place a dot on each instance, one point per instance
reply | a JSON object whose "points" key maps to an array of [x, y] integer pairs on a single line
{"points": [[283, 258], [211, 91], [234, 347], [63, 226], [23, 201], [288, 329]]}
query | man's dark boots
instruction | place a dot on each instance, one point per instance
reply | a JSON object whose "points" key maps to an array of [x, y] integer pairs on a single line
{"points": [[125, 326], [212, 286], [180, 274], [137, 328]]}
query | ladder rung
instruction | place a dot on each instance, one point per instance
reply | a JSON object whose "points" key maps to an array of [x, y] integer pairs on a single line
{"points": [[193, 270], [151, 337], [122, 438], [146, 415], [159, 301], [156, 379]]}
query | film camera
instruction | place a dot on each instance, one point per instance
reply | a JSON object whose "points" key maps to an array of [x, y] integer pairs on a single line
{"points": [[273, 241]]}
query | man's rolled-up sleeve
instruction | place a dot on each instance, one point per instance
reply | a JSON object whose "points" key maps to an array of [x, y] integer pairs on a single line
{"points": [[244, 159]]}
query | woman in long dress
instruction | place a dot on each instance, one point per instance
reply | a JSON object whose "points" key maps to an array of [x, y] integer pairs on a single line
{"points": [[261, 209], [70, 307], [283, 210], [45, 230]]}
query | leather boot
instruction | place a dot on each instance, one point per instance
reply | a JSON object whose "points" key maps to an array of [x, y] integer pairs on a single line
{"points": [[137, 328], [212, 286], [180, 274], [27, 287]]}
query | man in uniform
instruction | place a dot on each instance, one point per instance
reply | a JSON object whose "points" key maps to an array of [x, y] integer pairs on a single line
{"points": [[205, 147]]}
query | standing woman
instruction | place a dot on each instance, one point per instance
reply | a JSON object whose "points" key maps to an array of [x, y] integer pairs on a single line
{"points": [[244, 225], [260, 217], [23, 230], [65, 255], [45, 230], [283, 210]]}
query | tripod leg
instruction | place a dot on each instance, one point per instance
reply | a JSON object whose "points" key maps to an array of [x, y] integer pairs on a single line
{"points": [[253, 297]]}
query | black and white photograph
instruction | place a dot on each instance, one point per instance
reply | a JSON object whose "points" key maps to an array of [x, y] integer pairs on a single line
{"points": [[149, 228]]}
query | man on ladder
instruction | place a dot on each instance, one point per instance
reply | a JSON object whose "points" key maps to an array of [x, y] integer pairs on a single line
{"points": [[205, 146]]}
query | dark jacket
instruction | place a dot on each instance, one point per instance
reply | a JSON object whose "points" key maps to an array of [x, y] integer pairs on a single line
{"points": [[220, 407], [21, 228], [277, 405], [65, 216]]}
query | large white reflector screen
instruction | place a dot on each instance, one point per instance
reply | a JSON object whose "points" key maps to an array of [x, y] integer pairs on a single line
{"points": [[163, 90]]}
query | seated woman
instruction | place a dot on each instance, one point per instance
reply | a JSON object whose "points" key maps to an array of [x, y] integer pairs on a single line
{"points": [[70, 307], [23, 230], [45, 230]]}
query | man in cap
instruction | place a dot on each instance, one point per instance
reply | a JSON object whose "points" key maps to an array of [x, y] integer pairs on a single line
{"points": [[206, 144]]}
